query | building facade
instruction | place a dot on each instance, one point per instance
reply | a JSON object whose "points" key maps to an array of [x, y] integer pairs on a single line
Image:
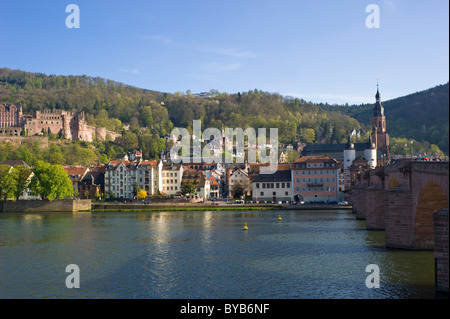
{"points": [[236, 177], [171, 177], [272, 187], [316, 179]]}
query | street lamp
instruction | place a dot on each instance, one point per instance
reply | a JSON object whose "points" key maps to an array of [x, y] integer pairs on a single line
{"points": [[412, 148]]}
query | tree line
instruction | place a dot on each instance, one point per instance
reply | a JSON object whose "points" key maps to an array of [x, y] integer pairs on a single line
{"points": [[45, 180], [150, 115]]}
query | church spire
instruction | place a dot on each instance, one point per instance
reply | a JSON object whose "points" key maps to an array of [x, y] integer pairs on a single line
{"points": [[378, 110], [377, 96]]}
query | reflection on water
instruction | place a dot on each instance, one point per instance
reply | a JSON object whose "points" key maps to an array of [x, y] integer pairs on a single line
{"points": [[315, 254]]}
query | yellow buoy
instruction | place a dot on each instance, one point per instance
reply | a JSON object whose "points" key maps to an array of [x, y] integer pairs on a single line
{"points": [[245, 226], [279, 217]]}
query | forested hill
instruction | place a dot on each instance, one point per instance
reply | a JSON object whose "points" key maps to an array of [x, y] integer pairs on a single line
{"points": [[103, 100], [421, 116]]}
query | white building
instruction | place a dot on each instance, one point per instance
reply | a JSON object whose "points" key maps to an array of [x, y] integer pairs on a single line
{"points": [[171, 176], [272, 187], [235, 177]]}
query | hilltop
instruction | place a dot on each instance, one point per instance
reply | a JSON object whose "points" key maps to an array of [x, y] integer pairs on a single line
{"points": [[422, 116]]}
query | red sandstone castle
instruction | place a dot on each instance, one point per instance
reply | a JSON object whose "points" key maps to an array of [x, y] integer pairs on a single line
{"points": [[69, 124]]}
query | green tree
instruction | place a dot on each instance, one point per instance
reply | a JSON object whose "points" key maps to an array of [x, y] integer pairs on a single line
{"points": [[103, 159], [8, 182], [309, 136], [189, 189], [23, 153], [238, 190], [23, 179], [50, 181]]}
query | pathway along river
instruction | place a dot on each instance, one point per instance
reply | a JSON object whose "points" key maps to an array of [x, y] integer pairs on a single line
{"points": [[201, 255]]}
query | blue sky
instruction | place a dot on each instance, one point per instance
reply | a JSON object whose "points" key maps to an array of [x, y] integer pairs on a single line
{"points": [[320, 51]]}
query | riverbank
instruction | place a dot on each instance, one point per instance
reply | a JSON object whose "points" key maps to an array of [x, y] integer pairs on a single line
{"points": [[64, 205], [123, 207], [88, 206]]}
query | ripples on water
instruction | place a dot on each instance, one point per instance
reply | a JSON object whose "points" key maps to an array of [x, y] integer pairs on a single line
{"points": [[316, 254]]}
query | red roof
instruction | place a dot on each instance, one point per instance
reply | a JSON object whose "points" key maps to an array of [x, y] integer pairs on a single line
{"points": [[213, 181], [77, 172]]}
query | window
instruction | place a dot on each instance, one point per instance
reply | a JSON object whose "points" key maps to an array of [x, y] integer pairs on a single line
{"points": [[277, 185], [261, 193], [282, 184], [271, 185], [263, 185], [257, 185], [286, 193], [288, 185], [274, 193], [296, 172]]}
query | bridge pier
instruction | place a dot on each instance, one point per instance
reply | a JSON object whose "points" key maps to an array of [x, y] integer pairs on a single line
{"points": [[441, 249], [376, 206], [358, 202], [399, 220]]}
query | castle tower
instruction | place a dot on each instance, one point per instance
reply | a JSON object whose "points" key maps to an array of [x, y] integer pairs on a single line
{"points": [[379, 134], [370, 153], [349, 154]]}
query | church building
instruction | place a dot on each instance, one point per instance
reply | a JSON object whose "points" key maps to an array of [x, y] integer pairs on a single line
{"points": [[379, 138]]}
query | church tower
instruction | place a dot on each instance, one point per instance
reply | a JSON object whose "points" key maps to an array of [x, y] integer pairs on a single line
{"points": [[379, 134]]}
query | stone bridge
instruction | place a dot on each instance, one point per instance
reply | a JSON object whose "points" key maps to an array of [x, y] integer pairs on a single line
{"points": [[404, 199], [401, 199]]}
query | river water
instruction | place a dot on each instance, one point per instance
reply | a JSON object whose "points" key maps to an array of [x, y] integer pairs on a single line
{"points": [[203, 255]]}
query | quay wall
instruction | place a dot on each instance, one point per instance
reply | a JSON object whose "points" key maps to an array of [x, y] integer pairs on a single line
{"points": [[45, 206]]}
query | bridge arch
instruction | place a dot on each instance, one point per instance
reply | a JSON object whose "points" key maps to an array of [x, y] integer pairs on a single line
{"points": [[432, 198]]}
